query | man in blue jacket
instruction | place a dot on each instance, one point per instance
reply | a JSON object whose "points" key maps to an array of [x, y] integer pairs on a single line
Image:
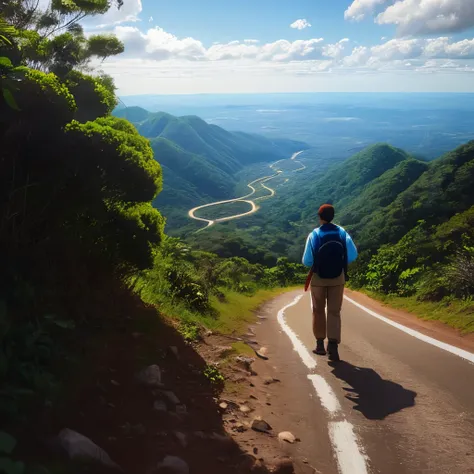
{"points": [[329, 249]]}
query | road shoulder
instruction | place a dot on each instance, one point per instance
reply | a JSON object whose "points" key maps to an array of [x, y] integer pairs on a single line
{"points": [[434, 329]]}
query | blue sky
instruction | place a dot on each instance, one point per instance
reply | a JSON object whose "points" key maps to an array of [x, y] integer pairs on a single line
{"points": [[266, 20], [205, 46]]}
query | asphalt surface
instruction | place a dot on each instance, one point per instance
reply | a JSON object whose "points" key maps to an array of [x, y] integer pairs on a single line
{"points": [[409, 404], [251, 202]]}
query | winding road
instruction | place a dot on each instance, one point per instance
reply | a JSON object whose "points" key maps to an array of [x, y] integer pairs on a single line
{"points": [[400, 401], [252, 202]]}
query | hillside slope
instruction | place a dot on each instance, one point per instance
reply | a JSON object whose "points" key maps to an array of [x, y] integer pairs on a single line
{"points": [[445, 189], [132, 114], [411, 220], [200, 160], [381, 192], [295, 212]]}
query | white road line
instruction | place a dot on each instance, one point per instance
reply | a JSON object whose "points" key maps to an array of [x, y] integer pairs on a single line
{"points": [[348, 453], [325, 393], [341, 433], [298, 346], [469, 356]]}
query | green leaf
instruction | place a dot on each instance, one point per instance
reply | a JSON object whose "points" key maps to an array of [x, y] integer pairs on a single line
{"points": [[7, 443], [10, 100], [8, 466], [5, 62], [4, 39]]}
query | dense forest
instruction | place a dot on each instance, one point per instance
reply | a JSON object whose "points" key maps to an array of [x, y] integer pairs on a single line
{"points": [[78, 231]]}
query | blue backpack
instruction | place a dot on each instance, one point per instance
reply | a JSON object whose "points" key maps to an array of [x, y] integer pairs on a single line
{"points": [[331, 258]]}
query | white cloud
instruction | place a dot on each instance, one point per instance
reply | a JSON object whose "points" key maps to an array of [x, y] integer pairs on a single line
{"points": [[429, 16], [413, 17], [159, 45], [250, 66], [150, 19], [301, 24], [336, 50], [359, 8], [398, 49], [442, 48], [129, 12], [359, 57]]}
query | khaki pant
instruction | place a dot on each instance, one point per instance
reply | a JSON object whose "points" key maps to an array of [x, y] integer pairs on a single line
{"points": [[329, 325]]}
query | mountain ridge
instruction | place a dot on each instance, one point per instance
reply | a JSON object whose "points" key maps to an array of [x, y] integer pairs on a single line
{"points": [[203, 158]]}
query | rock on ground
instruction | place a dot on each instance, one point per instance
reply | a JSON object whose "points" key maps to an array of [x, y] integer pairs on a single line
{"points": [[261, 425], [223, 406], [287, 436], [150, 376], [174, 465], [81, 448], [262, 353], [246, 362]]}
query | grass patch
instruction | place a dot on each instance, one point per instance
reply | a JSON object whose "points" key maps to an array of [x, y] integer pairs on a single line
{"points": [[240, 348], [238, 310], [229, 315], [458, 314]]}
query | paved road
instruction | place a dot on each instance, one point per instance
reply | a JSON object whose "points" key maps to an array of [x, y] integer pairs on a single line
{"points": [[395, 404], [253, 207]]}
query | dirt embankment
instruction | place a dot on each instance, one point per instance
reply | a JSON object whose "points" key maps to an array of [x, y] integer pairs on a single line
{"points": [[174, 419]]}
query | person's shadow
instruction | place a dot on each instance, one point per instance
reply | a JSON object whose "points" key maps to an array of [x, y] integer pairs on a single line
{"points": [[373, 396]]}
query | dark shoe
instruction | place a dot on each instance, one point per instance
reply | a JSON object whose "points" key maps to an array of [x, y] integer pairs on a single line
{"points": [[333, 351], [320, 350]]}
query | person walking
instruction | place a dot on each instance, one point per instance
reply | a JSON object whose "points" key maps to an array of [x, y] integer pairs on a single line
{"points": [[328, 251]]}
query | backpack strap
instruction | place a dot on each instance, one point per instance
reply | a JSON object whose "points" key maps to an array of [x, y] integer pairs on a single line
{"points": [[343, 236], [313, 250]]}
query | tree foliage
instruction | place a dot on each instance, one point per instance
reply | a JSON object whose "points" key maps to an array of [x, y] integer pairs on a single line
{"points": [[52, 40], [76, 187]]}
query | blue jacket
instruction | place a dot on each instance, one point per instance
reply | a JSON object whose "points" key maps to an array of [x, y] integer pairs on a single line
{"points": [[313, 242]]}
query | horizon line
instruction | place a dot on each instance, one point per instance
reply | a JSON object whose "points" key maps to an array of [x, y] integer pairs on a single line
{"points": [[297, 93]]}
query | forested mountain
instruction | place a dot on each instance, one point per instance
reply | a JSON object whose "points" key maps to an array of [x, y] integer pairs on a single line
{"points": [[411, 219], [359, 186], [200, 160], [442, 191]]}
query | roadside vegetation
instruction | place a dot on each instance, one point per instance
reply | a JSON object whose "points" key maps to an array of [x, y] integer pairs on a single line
{"points": [[79, 236], [456, 313], [200, 288]]}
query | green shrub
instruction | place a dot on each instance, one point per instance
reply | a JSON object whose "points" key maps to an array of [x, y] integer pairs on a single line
{"points": [[189, 330], [212, 373], [434, 285], [408, 280]]}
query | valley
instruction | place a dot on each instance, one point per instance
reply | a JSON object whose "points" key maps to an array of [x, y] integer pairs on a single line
{"points": [[245, 199], [410, 216]]}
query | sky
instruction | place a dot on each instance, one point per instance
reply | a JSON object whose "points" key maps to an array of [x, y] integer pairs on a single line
{"points": [[258, 46]]}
